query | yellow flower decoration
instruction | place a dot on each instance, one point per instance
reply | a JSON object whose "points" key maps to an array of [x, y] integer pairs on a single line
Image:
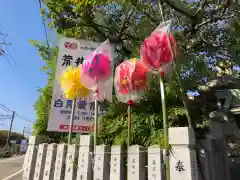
{"points": [[71, 85]]}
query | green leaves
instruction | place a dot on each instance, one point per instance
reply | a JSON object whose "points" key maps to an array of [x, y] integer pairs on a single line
{"points": [[114, 131], [43, 103], [203, 35]]}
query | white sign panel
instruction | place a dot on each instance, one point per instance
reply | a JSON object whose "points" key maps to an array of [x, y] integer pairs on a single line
{"points": [[71, 53]]}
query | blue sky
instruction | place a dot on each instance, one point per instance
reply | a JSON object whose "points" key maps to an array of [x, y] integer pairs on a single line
{"points": [[21, 21]]}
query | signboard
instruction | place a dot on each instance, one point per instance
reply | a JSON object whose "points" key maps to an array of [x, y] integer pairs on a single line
{"points": [[72, 52]]}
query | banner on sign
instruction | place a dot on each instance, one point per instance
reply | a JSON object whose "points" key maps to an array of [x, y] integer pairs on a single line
{"points": [[72, 52]]}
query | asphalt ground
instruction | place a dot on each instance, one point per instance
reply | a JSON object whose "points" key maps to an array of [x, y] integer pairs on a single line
{"points": [[10, 167]]}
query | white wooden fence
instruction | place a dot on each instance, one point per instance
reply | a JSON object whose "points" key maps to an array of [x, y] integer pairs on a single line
{"points": [[77, 162]]}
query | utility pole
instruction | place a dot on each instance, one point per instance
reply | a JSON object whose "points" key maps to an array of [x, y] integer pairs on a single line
{"points": [[25, 129], [10, 130]]}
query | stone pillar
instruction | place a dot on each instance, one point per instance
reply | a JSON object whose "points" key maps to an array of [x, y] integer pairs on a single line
{"points": [[205, 160], [40, 163], [117, 166], [226, 160], [85, 169], [155, 163], [102, 163], [30, 157], [59, 169], [220, 158], [183, 160], [50, 162], [136, 163], [71, 162]]}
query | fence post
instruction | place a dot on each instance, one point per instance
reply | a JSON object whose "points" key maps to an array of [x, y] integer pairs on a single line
{"points": [[117, 166], [102, 163], [60, 162], [206, 159], [50, 162], [136, 163], [30, 157], [183, 160], [155, 166], [85, 169], [41, 157], [71, 162]]}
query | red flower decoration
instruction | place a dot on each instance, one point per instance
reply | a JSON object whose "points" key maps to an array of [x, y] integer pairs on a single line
{"points": [[155, 50], [130, 77]]}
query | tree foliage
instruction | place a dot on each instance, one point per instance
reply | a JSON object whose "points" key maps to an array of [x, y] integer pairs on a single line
{"points": [[43, 103], [204, 26], [204, 31]]}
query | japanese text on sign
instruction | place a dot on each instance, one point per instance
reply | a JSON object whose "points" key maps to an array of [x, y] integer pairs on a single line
{"points": [[72, 53], [68, 59]]}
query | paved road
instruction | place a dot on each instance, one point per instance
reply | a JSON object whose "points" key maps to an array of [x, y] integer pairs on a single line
{"points": [[10, 166], [19, 177]]}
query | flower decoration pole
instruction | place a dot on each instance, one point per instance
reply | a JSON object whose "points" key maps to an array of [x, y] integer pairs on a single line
{"points": [[95, 119], [190, 123], [130, 83], [173, 54], [157, 56], [72, 89], [165, 124], [71, 121], [97, 70], [130, 103]]}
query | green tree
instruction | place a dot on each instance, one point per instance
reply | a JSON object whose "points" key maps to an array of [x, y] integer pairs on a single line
{"points": [[204, 31], [43, 103]]}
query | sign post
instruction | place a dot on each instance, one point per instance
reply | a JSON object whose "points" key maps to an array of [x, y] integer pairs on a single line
{"points": [[68, 115], [71, 122]]}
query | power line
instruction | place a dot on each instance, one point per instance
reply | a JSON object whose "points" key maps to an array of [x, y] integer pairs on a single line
{"points": [[11, 65], [44, 24], [23, 118], [3, 116], [12, 58], [6, 54], [12, 62], [16, 114], [5, 109], [18, 76]]}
